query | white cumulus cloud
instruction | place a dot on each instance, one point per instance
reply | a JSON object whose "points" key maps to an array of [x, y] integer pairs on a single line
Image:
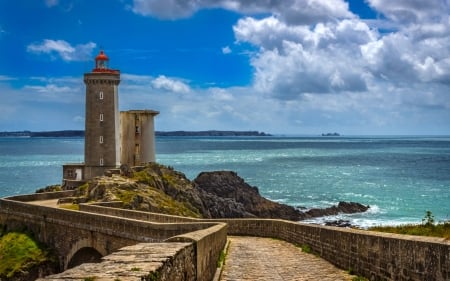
{"points": [[169, 84], [62, 49]]}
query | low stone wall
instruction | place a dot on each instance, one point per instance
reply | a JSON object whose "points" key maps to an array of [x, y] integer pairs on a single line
{"points": [[144, 261], [137, 230], [62, 229], [137, 215], [208, 244], [42, 196], [377, 256]]}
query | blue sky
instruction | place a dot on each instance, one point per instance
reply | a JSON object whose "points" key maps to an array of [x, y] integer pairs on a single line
{"points": [[278, 66]]}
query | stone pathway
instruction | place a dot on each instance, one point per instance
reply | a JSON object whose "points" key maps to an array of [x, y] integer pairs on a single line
{"points": [[254, 258]]}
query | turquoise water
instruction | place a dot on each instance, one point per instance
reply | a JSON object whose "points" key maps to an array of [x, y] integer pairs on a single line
{"points": [[399, 177]]}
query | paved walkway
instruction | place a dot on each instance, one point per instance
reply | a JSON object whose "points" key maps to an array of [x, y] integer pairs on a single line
{"points": [[254, 258]]}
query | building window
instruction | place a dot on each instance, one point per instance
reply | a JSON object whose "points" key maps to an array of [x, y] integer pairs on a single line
{"points": [[101, 139], [70, 173], [101, 161], [100, 95], [101, 117], [137, 130]]}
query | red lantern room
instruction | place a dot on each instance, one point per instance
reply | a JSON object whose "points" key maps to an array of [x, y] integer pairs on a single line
{"points": [[101, 64]]}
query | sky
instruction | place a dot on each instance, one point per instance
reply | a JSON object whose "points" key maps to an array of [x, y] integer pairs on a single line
{"points": [[357, 67]]}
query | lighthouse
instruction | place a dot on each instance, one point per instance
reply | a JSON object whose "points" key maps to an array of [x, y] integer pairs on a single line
{"points": [[112, 138], [102, 138]]}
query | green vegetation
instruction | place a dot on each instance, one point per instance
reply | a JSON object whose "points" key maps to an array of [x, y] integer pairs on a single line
{"points": [[92, 278], [157, 198], [135, 269], [306, 249], [428, 228], [74, 207], [152, 276], [83, 189], [356, 278], [221, 259], [50, 188], [19, 252]]}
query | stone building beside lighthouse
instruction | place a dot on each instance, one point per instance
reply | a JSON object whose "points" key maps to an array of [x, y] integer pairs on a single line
{"points": [[112, 138]]}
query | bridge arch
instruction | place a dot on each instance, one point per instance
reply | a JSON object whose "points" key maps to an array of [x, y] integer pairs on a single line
{"points": [[83, 250]]}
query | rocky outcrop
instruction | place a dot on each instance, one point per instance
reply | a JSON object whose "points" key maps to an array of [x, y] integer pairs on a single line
{"points": [[226, 195], [156, 188], [219, 194]]}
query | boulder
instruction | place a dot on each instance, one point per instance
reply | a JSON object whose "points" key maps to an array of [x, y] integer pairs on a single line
{"points": [[227, 195]]}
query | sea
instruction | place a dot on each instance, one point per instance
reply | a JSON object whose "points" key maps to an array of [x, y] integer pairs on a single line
{"points": [[399, 177]]}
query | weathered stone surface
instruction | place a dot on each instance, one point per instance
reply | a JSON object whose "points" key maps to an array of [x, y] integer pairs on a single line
{"points": [[162, 261], [226, 195], [254, 258]]}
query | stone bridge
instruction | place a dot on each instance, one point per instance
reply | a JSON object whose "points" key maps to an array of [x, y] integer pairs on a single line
{"points": [[80, 236], [149, 246]]}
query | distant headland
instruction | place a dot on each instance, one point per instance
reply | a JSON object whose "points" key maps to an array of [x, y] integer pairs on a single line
{"points": [[80, 133]]}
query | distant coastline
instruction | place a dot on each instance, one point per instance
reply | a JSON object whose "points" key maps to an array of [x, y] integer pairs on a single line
{"points": [[80, 133]]}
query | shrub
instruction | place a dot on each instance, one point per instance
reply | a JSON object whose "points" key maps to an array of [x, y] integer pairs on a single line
{"points": [[19, 252]]}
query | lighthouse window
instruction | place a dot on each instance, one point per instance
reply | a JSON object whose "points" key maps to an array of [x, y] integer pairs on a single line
{"points": [[101, 95], [101, 117], [101, 139]]}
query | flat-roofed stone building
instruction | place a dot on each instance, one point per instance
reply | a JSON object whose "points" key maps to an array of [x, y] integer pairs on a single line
{"points": [[137, 137]]}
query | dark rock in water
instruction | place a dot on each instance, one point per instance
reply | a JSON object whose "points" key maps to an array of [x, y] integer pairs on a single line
{"points": [[342, 207], [338, 223]]}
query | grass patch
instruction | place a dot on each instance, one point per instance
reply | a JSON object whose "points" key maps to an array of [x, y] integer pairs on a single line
{"points": [[429, 227], [74, 207], [306, 249], [434, 230], [19, 252], [221, 259]]}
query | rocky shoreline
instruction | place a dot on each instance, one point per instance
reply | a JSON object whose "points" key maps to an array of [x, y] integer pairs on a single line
{"points": [[216, 194], [247, 201]]}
